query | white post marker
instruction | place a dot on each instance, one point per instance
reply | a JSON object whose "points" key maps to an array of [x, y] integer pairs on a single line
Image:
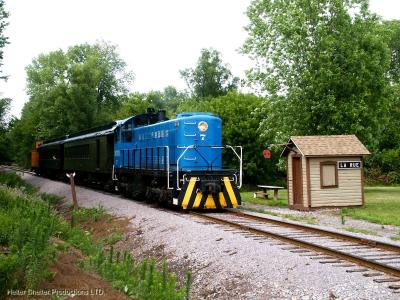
{"points": [[71, 179]]}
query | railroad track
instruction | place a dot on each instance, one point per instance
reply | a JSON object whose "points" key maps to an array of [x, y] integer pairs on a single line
{"points": [[375, 259], [16, 168]]}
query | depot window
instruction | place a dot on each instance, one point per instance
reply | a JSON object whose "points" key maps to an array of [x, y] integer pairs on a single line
{"points": [[329, 175]]}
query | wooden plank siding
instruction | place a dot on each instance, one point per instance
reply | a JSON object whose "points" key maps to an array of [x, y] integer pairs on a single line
{"points": [[290, 180], [304, 179], [349, 191]]}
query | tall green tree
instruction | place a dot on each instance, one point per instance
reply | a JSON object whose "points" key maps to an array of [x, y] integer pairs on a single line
{"points": [[70, 91], [134, 104], [323, 66], [74, 90], [385, 163], [5, 154], [4, 102], [211, 77], [393, 39], [3, 39]]}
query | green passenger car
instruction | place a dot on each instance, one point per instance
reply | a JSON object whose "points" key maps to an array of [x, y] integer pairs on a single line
{"points": [[90, 155]]}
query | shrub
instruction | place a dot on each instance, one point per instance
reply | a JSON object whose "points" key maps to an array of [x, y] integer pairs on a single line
{"points": [[26, 225], [13, 180]]}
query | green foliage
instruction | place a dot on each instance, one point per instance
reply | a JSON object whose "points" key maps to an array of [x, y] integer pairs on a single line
{"points": [[26, 224], [395, 237], [211, 77], [323, 65], [4, 109], [85, 214], [137, 103], [113, 238], [382, 206], [248, 198], [5, 151], [3, 39], [143, 280], [240, 128], [134, 104], [393, 36], [13, 180], [70, 91], [360, 230], [50, 199]]}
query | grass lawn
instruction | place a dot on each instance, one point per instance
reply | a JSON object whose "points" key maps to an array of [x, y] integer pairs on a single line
{"points": [[248, 198], [382, 206]]}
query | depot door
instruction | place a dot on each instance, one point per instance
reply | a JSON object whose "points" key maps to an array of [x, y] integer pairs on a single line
{"points": [[297, 183]]}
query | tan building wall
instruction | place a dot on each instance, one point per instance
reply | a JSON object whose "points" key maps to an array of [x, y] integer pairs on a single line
{"points": [[350, 188], [290, 179], [348, 193], [305, 181]]}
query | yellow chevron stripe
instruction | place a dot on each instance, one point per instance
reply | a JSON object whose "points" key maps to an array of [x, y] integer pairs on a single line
{"points": [[222, 200], [189, 192], [230, 192], [210, 202], [197, 201]]}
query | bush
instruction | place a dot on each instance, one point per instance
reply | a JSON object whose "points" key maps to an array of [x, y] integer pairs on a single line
{"points": [[143, 279], [27, 222], [13, 180], [26, 225]]}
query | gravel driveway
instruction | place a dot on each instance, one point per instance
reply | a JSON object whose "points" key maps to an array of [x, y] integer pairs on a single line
{"points": [[225, 264]]}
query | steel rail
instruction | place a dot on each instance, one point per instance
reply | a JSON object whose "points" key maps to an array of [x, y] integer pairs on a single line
{"points": [[324, 232], [18, 169], [304, 244]]}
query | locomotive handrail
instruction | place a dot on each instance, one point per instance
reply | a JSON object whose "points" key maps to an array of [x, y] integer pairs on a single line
{"points": [[168, 187], [240, 161], [177, 164]]}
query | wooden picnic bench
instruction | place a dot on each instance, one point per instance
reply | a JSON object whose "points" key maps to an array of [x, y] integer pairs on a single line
{"points": [[264, 192]]}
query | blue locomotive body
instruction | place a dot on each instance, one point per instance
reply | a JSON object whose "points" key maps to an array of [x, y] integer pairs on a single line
{"points": [[144, 146], [176, 161]]}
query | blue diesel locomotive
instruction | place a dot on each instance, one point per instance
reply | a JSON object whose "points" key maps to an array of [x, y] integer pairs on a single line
{"points": [[178, 161]]}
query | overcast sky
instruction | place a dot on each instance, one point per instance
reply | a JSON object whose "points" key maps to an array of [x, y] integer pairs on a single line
{"points": [[156, 38]]}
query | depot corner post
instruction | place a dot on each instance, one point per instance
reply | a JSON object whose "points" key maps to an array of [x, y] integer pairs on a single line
{"points": [[324, 171]]}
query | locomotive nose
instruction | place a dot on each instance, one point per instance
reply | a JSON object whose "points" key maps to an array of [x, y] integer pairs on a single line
{"points": [[207, 192], [212, 187]]}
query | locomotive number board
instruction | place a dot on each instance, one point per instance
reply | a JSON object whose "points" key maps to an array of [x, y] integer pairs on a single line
{"points": [[349, 164]]}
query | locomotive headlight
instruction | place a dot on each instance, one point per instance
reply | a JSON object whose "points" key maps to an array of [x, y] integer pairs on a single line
{"points": [[203, 126]]}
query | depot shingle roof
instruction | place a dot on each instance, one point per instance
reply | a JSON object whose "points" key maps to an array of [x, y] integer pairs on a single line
{"points": [[326, 145]]}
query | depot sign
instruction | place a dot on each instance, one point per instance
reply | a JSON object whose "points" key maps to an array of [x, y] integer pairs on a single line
{"points": [[349, 164]]}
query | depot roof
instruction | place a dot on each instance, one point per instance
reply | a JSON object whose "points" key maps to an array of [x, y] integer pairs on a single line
{"points": [[326, 145]]}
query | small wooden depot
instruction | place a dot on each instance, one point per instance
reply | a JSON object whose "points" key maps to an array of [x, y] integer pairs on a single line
{"points": [[324, 171]]}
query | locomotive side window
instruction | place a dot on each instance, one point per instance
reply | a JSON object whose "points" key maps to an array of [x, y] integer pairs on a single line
{"points": [[117, 136], [127, 132]]}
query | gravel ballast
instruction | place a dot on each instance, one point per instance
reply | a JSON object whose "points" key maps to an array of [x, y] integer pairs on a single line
{"points": [[226, 264]]}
